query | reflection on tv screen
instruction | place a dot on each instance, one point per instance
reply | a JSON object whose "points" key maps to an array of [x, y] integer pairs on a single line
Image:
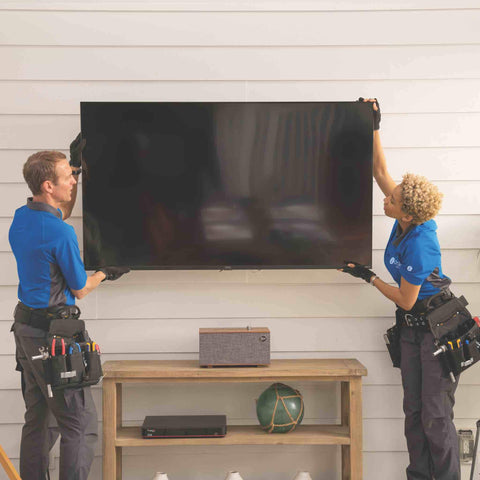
{"points": [[227, 185]]}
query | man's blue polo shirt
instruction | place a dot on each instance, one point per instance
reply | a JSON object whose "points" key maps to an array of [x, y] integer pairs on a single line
{"points": [[415, 256], [47, 254]]}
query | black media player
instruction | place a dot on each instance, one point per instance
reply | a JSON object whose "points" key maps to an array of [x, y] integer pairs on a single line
{"points": [[184, 426]]}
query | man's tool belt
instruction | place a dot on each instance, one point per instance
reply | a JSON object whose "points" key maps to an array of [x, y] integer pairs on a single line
{"points": [[42, 317], [70, 358], [71, 362]]}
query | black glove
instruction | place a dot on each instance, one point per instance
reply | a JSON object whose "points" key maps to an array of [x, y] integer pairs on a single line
{"points": [[377, 115], [359, 271], [113, 273], [76, 148]]}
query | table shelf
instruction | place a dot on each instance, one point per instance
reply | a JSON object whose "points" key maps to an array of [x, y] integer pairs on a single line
{"points": [[347, 435], [244, 435]]}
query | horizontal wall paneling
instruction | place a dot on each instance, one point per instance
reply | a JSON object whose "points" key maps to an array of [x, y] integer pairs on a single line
{"points": [[240, 63], [239, 28], [396, 96], [227, 5]]}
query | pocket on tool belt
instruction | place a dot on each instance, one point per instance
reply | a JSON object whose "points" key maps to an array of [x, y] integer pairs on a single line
{"points": [[472, 350], [58, 366], [94, 366], [392, 340], [66, 327], [76, 364], [447, 317], [456, 360]]}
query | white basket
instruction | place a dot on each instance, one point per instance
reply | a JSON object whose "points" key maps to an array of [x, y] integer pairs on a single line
{"points": [[160, 476], [233, 476], [303, 476]]}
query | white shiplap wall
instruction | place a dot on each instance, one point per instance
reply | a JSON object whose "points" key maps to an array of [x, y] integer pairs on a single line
{"points": [[420, 58]]}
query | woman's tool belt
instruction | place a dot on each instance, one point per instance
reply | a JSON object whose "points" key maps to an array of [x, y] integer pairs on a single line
{"points": [[456, 333], [417, 316], [437, 314], [70, 358], [414, 318]]}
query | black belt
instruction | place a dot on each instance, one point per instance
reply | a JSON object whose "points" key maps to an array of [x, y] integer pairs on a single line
{"points": [[415, 318], [41, 317], [414, 321]]}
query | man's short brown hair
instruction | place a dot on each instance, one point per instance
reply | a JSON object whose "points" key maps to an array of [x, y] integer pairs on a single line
{"points": [[41, 167]]}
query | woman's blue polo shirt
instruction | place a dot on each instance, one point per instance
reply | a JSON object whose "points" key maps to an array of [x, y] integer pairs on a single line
{"points": [[47, 254], [415, 256]]}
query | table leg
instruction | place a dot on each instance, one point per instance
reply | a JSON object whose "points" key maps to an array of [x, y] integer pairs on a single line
{"points": [[112, 420], [351, 393]]}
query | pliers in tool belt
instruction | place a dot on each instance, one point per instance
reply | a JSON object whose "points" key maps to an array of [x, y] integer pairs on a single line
{"points": [[53, 346]]}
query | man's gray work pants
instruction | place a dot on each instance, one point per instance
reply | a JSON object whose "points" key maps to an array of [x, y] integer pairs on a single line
{"points": [[74, 411], [428, 405]]}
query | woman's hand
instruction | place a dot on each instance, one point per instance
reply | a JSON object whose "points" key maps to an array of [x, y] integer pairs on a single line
{"points": [[377, 115], [405, 296], [380, 171], [357, 270]]}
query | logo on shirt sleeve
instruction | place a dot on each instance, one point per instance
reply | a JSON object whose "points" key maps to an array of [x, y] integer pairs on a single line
{"points": [[394, 261], [409, 268]]}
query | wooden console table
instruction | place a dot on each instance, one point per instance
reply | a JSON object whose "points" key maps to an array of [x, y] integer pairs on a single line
{"points": [[348, 434]]}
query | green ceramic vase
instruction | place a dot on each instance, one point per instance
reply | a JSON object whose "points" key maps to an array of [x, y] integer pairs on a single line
{"points": [[280, 408]]}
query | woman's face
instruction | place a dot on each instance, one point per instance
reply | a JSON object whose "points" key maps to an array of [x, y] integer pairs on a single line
{"points": [[392, 205]]}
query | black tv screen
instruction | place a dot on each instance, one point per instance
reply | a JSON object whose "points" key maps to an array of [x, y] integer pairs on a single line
{"points": [[227, 185]]}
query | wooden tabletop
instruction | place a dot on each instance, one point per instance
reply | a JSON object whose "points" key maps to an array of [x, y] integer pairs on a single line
{"points": [[190, 369]]}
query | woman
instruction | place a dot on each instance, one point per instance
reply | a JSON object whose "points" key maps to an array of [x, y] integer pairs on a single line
{"points": [[413, 259]]}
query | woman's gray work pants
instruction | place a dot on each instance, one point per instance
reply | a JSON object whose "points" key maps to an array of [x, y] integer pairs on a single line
{"points": [[428, 405]]}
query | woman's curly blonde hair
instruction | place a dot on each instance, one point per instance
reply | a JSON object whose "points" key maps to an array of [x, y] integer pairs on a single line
{"points": [[421, 199]]}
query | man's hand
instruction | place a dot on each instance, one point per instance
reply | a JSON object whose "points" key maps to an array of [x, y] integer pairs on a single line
{"points": [[377, 115], [357, 270], [76, 148], [113, 273]]}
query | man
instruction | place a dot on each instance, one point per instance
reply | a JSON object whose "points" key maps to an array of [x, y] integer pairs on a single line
{"points": [[51, 275]]}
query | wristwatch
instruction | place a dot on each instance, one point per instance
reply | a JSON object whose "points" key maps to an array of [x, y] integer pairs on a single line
{"points": [[373, 280]]}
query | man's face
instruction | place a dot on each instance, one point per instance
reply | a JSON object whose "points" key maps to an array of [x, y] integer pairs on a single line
{"points": [[62, 188]]}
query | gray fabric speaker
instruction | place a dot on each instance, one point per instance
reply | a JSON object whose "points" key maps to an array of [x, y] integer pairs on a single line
{"points": [[234, 346]]}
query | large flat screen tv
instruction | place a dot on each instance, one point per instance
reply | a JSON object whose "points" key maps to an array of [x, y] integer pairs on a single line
{"points": [[227, 185]]}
